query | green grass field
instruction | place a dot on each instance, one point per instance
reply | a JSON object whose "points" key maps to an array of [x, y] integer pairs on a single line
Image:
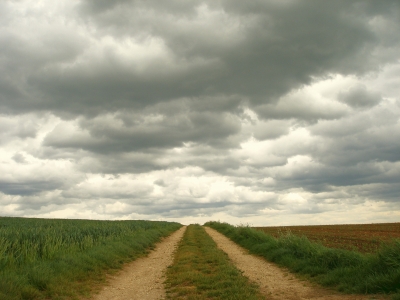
{"points": [[202, 271], [347, 271], [62, 259], [68, 259]]}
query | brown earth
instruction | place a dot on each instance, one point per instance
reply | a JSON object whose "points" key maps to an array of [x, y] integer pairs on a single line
{"points": [[143, 278], [366, 238], [276, 283]]}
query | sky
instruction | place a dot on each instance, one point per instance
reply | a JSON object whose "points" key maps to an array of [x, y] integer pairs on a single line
{"points": [[272, 112]]}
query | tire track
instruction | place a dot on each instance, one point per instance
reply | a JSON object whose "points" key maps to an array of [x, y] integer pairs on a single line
{"points": [[274, 282], [144, 277]]}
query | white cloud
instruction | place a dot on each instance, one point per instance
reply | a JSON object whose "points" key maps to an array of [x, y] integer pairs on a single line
{"points": [[268, 113]]}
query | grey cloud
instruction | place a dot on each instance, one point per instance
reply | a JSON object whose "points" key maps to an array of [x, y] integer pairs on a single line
{"points": [[28, 187], [32, 178], [98, 7], [160, 182], [22, 127], [135, 191], [362, 158], [371, 144], [358, 150], [324, 178], [271, 130], [19, 158], [276, 48], [387, 191], [191, 209], [218, 164], [50, 41], [353, 150], [359, 97], [137, 162], [105, 135], [218, 161], [301, 109], [342, 127]]}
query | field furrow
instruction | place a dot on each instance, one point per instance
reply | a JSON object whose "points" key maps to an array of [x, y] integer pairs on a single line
{"points": [[365, 238]]}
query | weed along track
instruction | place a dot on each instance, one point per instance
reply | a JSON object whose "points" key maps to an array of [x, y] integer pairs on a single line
{"points": [[274, 282], [64, 259], [207, 265], [143, 278]]}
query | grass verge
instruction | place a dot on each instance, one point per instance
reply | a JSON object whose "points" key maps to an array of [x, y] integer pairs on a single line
{"points": [[202, 271], [347, 271], [65, 259]]}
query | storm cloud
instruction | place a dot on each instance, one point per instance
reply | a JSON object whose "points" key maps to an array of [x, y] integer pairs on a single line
{"points": [[269, 112]]}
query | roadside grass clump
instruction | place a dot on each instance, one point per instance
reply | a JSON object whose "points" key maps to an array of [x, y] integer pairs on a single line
{"points": [[347, 271], [66, 259], [202, 271]]}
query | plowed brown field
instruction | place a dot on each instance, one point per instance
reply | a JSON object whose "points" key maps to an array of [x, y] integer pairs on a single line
{"points": [[366, 238]]}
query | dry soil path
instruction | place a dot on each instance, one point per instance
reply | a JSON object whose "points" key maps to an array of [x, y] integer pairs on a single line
{"points": [[143, 278], [275, 283]]}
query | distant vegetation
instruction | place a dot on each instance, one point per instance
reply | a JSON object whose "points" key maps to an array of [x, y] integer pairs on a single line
{"points": [[347, 271], [49, 258], [202, 271], [365, 238]]}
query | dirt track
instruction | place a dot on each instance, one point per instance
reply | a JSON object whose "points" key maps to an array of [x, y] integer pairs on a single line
{"points": [[275, 283], [143, 279]]}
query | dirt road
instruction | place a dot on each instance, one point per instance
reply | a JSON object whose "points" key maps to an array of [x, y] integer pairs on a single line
{"points": [[276, 283], [143, 279]]}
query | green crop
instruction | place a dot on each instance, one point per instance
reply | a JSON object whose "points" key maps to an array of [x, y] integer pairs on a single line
{"points": [[51, 258]]}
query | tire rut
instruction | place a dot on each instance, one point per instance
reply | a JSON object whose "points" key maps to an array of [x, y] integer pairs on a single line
{"points": [[276, 283], [144, 277]]}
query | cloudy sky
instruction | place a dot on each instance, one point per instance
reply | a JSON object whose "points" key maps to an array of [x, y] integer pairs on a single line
{"points": [[270, 112]]}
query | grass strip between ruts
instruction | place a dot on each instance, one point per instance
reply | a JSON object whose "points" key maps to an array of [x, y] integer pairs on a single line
{"points": [[202, 271], [347, 271]]}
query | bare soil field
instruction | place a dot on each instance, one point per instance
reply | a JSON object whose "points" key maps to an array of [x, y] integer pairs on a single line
{"points": [[365, 238]]}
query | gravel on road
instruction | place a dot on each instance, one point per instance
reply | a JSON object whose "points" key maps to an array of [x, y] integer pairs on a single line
{"points": [[277, 283], [143, 279]]}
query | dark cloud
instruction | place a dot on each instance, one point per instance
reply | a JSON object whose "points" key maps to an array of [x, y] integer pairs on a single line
{"points": [[19, 158], [359, 97], [271, 130], [109, 134], [27, 188], [269, 110], [160, 182], [258, 53], [22, 127], [117, 163], [364, 137]]}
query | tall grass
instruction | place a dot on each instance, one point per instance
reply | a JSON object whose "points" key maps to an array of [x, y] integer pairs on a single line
{"points": [[60, 259], [347, 271]]}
